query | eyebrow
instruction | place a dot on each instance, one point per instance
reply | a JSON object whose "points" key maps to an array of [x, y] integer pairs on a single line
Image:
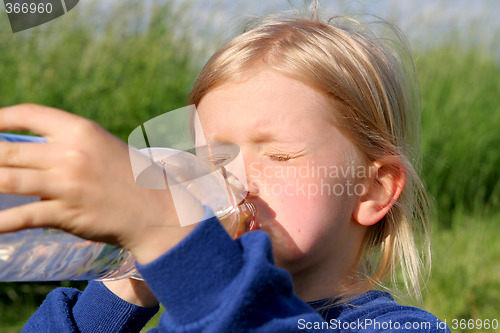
{"points": [[267, 137], [261, 136]]}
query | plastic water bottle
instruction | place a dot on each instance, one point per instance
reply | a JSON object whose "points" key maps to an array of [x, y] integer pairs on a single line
{"points": [[48, 254]]}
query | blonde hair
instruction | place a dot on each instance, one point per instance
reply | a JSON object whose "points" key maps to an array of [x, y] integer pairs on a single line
{"points": [[371, 84]]}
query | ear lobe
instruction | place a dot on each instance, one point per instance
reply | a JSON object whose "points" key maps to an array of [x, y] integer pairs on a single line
{"points": [[383, 187]]}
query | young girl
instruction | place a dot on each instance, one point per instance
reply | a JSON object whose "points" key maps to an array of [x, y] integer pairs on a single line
{"points": [[325, 116]]}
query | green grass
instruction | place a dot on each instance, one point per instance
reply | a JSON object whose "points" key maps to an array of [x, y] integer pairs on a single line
{"points": [[119, 71], [18, 301], [465, 279], [460, 120]]}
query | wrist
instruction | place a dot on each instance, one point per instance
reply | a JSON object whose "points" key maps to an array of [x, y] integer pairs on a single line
{"points": [[163, 225], [133, 291], [159, 241]]}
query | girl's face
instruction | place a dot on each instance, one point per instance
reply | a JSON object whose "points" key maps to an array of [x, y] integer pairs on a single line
{"points": [[299, 169]]}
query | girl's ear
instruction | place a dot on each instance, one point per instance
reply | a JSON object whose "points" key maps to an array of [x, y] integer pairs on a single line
{"points": [[383, 186]]}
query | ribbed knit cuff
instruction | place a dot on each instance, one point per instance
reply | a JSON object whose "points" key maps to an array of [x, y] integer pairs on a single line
{"points": [[100, 310]]}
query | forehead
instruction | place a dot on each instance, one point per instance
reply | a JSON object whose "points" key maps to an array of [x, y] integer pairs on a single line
{"points": [[266, 102]]}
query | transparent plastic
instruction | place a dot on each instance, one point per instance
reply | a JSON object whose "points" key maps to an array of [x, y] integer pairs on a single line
{"points": [[47, 254]]}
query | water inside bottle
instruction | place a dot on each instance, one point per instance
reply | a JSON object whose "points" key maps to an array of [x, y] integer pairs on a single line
{"points": [[46, 254]]}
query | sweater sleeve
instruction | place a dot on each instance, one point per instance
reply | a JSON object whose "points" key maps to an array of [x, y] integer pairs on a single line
{"points": [[211, 283], [96, 309]]}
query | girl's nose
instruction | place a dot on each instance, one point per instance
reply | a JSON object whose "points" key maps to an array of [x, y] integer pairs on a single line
{"points": [[242, 173], [252, 178], [252, 185], [239, 189]]}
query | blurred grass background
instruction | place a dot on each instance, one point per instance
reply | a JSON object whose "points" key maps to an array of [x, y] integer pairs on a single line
{"points": [[132, 63]]}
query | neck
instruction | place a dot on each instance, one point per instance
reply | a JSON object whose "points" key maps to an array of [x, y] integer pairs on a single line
{"points": [[330, 276], [321, 283]]}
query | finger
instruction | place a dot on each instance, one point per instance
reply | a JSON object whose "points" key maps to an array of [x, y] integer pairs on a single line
{"points": [[25, 155], [33, 215], [25, 182], [39, 119]]}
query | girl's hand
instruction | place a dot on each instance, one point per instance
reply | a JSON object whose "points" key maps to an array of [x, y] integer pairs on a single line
{"points": [[83, 175]]}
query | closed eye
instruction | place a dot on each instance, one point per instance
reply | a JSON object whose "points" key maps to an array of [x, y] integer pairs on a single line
{"points": [[280, 157]]}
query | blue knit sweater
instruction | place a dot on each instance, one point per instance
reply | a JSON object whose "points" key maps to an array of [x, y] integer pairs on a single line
{"points": [[211, 283]]}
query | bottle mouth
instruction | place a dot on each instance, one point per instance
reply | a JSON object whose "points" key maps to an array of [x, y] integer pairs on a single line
{"points": [[246, 218], [239, 220]]}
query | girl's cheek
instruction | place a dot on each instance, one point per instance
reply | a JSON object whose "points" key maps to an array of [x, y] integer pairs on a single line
{"points": [[294, 199], [291, 198], [311, 196]]}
